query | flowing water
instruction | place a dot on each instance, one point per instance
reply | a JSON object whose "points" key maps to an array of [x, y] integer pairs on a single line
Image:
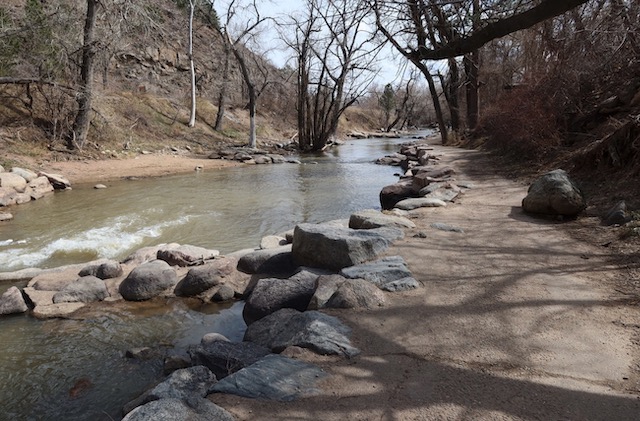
{"points": [[75, 370]]}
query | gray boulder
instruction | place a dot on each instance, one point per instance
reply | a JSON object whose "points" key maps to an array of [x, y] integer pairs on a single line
{"points": [[425, 177], [106, 270], [369, 218], [392, 194], [380, 272], [421, 202], [403, 284], [334, 247], [224, 357], [272, 294], [184, 384], [224, 293], [147, 281], [356, 293], [13, 181], [24, 173], [39, 187], [326, 286], [186, 255], [84, 290], [275, 260], [319, 332], [554, 194], [8, 196], [12, 301], [617, 215], [196, 409], [274, 377], [201, 278]]}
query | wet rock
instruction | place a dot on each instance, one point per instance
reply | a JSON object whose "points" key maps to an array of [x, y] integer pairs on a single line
{"points": [[333, 247], [263, 159], [107, 270], [12, 301], [22, 198], [224, 293], [277, 158], [554, 194], [272, 294], [175, 362], [617, 215], [224, 358], [186, 255], [13, 181], [8, 196], [147, 281], [57, 181], [274, 377], [369, 218], [356, 293], [60, 310], [197, 409], [184, 384], [274, 261], [213, 337], [423, 202], [201, 278], [39, 187], [319, 332], [380, 272], [24, 173], [99, 187], [141, 353], [5, 216], [84, 290], [392, 194]]}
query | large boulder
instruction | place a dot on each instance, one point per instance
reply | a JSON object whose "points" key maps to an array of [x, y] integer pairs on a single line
{"points": [[186, 255], [39, 187], [392, 194], [107, 270], [84, 290], [57, 181], [12, 301], [24, 173], [425, 177], [275, 377], [8, 196], [13, 181], [184, 384], [147, 281], [197, 409], [202, 278], [554, 194], [333, 247], [384, 273], [275, 260], [356, 293], [224, 358], [272, 294], [369, 218], [321, 333]]}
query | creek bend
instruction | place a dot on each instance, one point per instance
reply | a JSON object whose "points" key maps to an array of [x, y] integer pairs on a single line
{"points": [[229, 209]]}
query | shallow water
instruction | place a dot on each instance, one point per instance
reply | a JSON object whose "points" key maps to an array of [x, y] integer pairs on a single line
{"points": [[75, 370]]}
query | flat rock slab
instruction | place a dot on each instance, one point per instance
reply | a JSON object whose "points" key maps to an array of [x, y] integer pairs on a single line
{"points": [[369, 218], [197, 409], [84, 290], [380, 272], [186, 255], [446, 227], [273, 261], [332, 247], [274, 377], [224, 358], [420, 202], [61, 310], [319, 332]]}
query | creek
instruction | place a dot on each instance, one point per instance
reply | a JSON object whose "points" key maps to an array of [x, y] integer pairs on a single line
{"points": [[75, 369]]}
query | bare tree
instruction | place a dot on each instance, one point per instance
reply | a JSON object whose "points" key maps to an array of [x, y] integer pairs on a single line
{"points": [[335, 56]]}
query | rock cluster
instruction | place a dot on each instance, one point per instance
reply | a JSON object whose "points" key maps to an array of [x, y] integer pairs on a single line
{"points": [[423, 183], [256, 156], [20, 185]]}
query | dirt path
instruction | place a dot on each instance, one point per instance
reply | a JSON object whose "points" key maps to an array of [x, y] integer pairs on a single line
{"points": [[516, 321]]}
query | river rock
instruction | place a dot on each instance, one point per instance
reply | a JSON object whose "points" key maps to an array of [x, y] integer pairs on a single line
{"points": [[57, 181], [554, 194], [392, 194], [13, 181], [39, 187], [275, 260], [23, 198], [275, 377], [617, 215], [333, 247], [224, 358], [423, 178], [380, 272], [60, 310], [53, 281], [5, 216], [356, 293], [39, 297], [147, 254], [186, 255], [84, 290], [262, 159], [421, 202], [12, 301], [321, 333], [198, 409], [26, 174], [184, 384], [7, 196], [277, 158], [201, 278], [272, 294], [107, 270], [272, 241], [369, 218], [224, 293], [147, 281], [326, 286]]}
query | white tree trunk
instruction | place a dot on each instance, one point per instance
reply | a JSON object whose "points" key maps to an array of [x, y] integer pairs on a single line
{"points": [[192, 118]]}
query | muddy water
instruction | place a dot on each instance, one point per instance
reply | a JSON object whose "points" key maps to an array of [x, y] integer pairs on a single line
{"points": [[75, 370]]}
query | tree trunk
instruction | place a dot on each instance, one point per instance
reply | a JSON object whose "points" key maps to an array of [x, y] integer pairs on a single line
{"points": [[222, 97], [436, 100], [452, 94], [83, 118], [192, 116], [251, 92], [471, 69]]}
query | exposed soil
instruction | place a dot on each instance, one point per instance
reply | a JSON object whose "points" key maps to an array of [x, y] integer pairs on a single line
{"points": [[518, 318]]}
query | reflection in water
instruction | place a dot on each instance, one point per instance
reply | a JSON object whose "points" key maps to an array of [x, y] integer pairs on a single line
{"points": [[75, 370]]}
